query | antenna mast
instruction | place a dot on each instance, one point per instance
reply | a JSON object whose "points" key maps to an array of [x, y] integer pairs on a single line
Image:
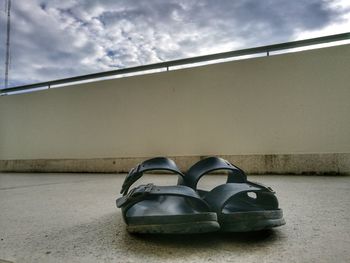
{"points": [[7, 60]]}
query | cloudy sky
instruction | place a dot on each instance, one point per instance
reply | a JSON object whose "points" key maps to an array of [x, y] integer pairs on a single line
{"points": [[52, 39]]}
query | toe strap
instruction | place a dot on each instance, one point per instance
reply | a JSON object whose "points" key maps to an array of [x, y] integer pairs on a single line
{"points": [[237, 193]]}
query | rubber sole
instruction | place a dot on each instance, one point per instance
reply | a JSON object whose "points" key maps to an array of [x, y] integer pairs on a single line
{"points": [[180, 228], [174, 224], [251, 221]]}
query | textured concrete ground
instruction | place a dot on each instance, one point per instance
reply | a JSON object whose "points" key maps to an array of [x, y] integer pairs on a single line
{"points": [[73, 218]]}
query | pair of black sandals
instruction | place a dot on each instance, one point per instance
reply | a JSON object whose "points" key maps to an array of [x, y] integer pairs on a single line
{"points": [[236, 206]]}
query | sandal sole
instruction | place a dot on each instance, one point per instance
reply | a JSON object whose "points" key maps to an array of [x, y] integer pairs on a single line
{"points": [[251, 221], [176, 224], [182, 228]]}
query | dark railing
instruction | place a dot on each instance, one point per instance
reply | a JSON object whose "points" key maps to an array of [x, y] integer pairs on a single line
{"points": [[186, 61]]}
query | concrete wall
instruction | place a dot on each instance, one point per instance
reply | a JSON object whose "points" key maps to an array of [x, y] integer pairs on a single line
{"points": [[296, 103]]}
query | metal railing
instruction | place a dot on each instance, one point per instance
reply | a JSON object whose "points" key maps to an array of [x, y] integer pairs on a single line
{"points": [[181, 62]]}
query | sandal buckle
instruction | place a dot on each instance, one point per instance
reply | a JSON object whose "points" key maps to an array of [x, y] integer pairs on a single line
{"points": [[140, 191], [148, 188]]}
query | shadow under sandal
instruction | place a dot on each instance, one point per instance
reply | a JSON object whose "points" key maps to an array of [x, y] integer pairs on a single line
{"points": [[240, 205], [163, 209]]}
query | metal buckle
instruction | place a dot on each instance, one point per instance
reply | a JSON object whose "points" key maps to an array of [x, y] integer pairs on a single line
{"points": [[137, 167], [129, 180], [141, 190], [148, 188]]}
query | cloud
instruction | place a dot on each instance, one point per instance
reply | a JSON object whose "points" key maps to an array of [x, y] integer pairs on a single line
{"points": [[57, 39]]}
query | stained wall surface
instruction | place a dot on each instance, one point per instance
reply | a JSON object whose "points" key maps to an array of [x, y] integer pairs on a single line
{"points": [[285, 104]]}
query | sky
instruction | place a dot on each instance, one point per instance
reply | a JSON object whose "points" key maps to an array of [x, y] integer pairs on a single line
{"points": [[64, 38]]}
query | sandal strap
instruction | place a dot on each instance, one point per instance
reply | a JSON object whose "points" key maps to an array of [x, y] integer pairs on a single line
{"points": [[222, 194], [154, 164], [207, 165], [143, 191]]}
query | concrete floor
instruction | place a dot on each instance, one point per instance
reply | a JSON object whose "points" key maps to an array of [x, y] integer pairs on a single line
{"points": [[73, 218]]}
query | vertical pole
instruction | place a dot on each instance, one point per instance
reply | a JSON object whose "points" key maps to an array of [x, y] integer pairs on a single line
{"points": [[7, 60]]}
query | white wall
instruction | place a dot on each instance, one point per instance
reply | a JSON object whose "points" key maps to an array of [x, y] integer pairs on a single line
{"points": [[292, 103]]}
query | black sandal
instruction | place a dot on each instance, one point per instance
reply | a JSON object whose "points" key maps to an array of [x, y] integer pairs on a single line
{"points": [[163, 209], [240, 205]]}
